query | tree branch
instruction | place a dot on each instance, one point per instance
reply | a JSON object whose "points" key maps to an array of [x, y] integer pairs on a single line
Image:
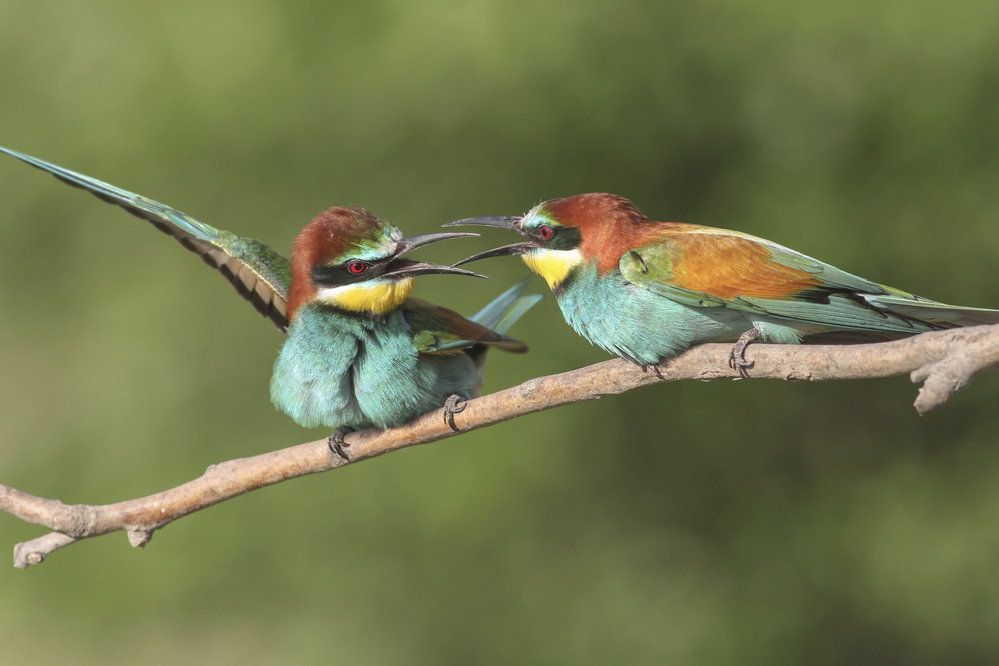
{"points": [[943, 361]]}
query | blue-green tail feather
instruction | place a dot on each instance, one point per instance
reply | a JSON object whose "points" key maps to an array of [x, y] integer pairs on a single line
{"points": [[501, 313], [932, 313]]}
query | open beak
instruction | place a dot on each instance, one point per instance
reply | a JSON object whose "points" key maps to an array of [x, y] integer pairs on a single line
{"points": [[400, 268], [501, 222]]}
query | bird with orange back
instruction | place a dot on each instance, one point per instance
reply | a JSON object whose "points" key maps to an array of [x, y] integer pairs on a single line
{"points": [[647, 290], [360, 352]]}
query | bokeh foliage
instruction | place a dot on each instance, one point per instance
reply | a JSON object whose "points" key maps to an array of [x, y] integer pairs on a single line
{"points": [[744, 522]]}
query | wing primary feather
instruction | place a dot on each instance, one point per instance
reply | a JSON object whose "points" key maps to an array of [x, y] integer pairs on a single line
{"points": [[258, 273]]}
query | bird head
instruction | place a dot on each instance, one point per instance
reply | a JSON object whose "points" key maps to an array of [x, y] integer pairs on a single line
{"points": [[349, 259], [565, 233]]}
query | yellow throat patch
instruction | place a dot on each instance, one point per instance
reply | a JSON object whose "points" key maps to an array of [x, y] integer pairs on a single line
{"points": [[552, 265], [378, 297]]}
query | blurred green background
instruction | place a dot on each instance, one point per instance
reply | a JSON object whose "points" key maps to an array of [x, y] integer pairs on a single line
{"points": [[747, 522]]}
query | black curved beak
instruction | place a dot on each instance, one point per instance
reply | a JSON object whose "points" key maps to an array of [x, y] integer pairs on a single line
{"points": [[513, 248], [499, 221], [400, 268], [412, 242]]}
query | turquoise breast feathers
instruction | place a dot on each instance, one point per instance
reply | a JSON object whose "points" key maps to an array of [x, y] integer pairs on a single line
{"points": [[341, 370]]}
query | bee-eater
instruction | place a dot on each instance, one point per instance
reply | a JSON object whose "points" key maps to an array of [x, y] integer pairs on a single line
{"points": [[647, 290], [360, 352]]}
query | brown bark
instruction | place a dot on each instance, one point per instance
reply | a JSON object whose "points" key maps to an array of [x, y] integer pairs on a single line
{"points": [[943, 361]]}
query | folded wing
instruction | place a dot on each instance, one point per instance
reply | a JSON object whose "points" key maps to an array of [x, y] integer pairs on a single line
{"points": [[439, 330], [703, 267]]}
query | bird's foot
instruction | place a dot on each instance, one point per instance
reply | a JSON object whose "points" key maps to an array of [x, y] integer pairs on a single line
{"points": [[737, 357], [655, 367], [453, 405], [336, 443]]}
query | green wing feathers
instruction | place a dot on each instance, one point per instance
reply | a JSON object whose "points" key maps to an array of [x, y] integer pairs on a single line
{"points": [[259, 274], [701, 267]]}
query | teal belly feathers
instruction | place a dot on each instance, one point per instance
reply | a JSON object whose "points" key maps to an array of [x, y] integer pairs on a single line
{"points": [[339, 370]]}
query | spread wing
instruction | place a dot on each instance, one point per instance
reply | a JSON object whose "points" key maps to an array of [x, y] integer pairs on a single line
{"points": [[438, 330], [704, 267], [258, 273]]}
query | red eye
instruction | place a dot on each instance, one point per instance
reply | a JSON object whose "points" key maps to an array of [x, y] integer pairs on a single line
{"points": [[546, 232], [357, 267]]}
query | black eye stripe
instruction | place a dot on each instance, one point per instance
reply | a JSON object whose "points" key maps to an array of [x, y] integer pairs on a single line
{"points": [[559, 238], [341, 274]]}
